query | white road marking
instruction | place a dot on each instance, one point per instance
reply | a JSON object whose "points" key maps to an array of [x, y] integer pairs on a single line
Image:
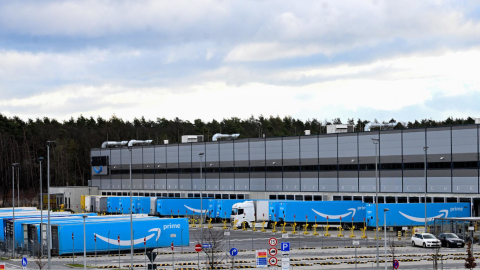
{"points": [[12, 266]]}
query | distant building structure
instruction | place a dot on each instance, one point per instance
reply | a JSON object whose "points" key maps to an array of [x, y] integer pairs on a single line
{"points": [[339, 165]]}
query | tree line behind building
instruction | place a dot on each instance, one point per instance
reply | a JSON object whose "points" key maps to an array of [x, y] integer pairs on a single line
{"points": [[25, 141]]}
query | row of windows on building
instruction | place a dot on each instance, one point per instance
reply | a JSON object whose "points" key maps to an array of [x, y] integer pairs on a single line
{"points": [[310, 168], [296, 197], [178, 195]]}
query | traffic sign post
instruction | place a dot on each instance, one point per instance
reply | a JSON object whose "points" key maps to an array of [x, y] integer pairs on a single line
{"points": [[24, 263], [95, 239], [285, 263], [73, 247], [272, 241], [198, 248], [233, 252], [261, 258], [118, 239], [145, 244], [356, 243], [285, 248], [173, 257]]}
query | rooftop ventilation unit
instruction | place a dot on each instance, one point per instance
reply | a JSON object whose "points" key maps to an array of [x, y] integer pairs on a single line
{"points": [[340, 128], [224, 136], [114, 144], [380, 125], [192, 138]]}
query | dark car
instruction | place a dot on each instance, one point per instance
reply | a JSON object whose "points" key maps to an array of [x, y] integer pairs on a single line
{"points": [[451, 240]]}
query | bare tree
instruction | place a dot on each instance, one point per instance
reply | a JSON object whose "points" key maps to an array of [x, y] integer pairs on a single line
{"points": [[40, 263], [435, 257], [216, 239], [470, 260], [392, 250]]}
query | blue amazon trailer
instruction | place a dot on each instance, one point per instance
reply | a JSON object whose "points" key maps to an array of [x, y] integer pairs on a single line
{"points": [[34, 227], [413, 214], [119, 205], [21, 226], [319, 211], [24, 215], [114, 205], [142, 205], [222, 208], [183, 206], [154, 232]]}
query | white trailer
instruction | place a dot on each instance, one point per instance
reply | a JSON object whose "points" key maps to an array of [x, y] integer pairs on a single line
{"points": [[250, 211]]}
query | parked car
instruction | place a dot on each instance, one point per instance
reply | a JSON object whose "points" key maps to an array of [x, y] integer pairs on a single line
{"points": [[465, 237], [451, 240], [425, 240]]}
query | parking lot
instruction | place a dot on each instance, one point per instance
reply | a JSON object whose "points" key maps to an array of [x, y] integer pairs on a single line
{"points": [[307, 252]]}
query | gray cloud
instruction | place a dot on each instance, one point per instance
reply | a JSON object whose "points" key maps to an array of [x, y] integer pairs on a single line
{"points": [[179, 46]]}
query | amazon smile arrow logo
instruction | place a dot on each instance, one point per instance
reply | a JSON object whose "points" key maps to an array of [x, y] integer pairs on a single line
{"points": [[416, 219], [195, 210], [99, 170], [353, 211], [128, 242]]}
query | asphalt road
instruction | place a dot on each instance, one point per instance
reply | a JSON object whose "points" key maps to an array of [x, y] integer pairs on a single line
{"points": [[308, 251]]}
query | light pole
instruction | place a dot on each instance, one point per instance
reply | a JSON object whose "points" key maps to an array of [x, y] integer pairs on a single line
{"points": [[41, 209], [13, 207], [375, 142], [18, 186], [85, 245], [130, 146], [131, 210], [385, 210], [48, 202], [425, 150], [201, 198]]}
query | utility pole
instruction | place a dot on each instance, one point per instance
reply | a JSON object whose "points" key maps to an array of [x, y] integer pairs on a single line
{"points": [[376, 142]]}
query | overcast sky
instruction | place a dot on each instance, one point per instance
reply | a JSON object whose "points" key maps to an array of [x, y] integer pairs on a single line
{"points": [[370, 59]]}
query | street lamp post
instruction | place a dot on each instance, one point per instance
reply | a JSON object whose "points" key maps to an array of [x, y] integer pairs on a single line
{"points": [[131, 210], [385, 210], [48, 202], [130, 145], [13, 207], [18, 186], [41, 209], [85, 245], [201, 198], [425, 199], [375, 142]]}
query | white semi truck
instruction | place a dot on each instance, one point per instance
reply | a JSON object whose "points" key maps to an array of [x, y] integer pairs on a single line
{"points": [[250, 211]]}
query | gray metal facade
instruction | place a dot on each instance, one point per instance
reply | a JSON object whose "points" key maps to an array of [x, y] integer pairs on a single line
{"points": [[342, 163]]}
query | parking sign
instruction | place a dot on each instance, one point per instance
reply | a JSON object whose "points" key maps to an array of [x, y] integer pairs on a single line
{"points": [[285, 246]]}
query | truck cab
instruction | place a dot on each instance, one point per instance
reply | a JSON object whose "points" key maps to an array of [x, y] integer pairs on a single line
{"points": [[241, 212]]}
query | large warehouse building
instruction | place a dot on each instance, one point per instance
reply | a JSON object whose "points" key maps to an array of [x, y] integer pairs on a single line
{"points": [[339, 166]]}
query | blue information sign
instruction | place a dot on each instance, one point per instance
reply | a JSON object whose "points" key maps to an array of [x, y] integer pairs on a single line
{"points": [[233, 252], [24, 262], [207, 245], [285, 246]]}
